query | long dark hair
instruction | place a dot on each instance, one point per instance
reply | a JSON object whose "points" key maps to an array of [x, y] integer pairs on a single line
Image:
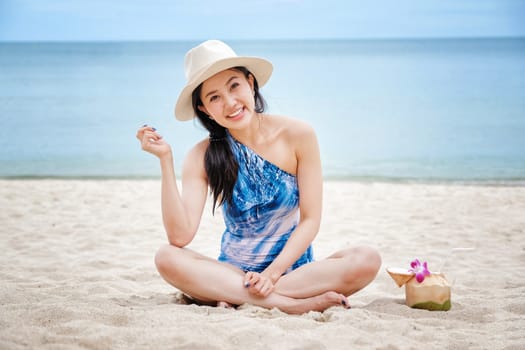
{"points": [[219, 162]]}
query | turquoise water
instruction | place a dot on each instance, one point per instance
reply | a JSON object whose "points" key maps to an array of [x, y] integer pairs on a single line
{"points": [[396, 109]]}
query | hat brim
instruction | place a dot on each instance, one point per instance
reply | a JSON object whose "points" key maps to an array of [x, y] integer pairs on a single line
{"points": [[259, 67]]}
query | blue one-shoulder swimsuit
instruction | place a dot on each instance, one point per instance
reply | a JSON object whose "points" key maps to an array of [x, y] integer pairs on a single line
{"points": [[263, 213]]}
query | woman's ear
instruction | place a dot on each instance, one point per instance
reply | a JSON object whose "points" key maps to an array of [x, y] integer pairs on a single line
{"points": [[251, 82], [203, 110]]}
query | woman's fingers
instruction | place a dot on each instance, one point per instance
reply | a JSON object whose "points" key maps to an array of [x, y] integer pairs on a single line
{"points": [[140, 132], [246, 280], [258, 284], [143, 129], [250, 279], [151, 141], [150, 138], [264, 288]]}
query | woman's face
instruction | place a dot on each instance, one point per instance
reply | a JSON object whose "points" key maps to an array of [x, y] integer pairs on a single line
{"points": [[227, 98]]}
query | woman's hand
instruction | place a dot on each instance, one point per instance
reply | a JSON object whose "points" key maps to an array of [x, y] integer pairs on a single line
{"points": [[152, 142], [258, 284]]}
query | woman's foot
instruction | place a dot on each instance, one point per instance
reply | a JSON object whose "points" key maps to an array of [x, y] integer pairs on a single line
{"points": [[224, 304], [317, 303]]}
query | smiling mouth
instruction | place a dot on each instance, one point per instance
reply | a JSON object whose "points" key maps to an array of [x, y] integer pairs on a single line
{"points": [[236, 113]]}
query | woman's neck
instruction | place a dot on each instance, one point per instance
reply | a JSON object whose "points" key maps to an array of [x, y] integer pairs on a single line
{"points": [[255, 133]]}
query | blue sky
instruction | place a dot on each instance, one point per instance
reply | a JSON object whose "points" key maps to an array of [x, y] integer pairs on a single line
{"points": [[22, 20]]}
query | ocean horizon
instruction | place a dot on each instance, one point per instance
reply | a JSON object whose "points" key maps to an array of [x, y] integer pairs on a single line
{"points": [[395, 110]]}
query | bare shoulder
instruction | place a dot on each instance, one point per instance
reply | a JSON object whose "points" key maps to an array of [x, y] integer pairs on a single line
{"points": [[296, 131], [299, 143], [198, 150]]}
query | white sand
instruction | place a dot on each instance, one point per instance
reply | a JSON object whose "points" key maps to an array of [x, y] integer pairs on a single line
{"points": [[77, 272]]}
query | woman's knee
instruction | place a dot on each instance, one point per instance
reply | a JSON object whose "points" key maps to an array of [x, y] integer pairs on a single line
{"points": [[364, 263], [370, 261]]}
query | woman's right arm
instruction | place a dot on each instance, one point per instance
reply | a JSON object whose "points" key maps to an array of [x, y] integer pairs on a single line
{"points": [[181, 212]]}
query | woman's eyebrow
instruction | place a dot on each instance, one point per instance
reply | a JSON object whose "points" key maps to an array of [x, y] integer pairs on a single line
{"points": [[227, 82]]}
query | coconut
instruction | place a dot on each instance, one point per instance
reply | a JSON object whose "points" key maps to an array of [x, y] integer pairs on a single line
{"points": [[399, 275], [433, 293]]}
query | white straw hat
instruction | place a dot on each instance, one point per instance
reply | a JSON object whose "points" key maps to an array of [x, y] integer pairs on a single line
{"points": [[208, 59]]}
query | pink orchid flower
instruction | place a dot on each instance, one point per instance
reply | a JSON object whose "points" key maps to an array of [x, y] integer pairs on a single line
{"points": [[421, 270]]}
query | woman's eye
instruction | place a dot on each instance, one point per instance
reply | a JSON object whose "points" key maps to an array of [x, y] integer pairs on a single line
{"points": [[234, 85], [214, 98]]}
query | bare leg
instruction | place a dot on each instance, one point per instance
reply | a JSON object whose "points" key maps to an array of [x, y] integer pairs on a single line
{"points": [[209, 280], [345, 272]]}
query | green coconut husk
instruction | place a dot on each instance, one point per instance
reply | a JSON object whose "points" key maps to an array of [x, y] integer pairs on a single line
{"points": [[432, 306]]}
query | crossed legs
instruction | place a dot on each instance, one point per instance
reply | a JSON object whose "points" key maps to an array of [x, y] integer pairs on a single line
{"points": [[312, 287]]}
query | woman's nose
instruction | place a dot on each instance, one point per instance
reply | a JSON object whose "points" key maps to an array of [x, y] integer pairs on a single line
{"points": [[229, 100]]}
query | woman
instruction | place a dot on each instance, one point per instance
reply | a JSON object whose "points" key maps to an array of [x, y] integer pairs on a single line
{"points": [[265, 172]]}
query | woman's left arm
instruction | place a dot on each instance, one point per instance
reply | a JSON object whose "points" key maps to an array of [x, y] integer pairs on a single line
{"points": [[310, 183]]}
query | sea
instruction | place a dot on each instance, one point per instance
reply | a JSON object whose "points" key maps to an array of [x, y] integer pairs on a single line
{"points": [[394, 110]]}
